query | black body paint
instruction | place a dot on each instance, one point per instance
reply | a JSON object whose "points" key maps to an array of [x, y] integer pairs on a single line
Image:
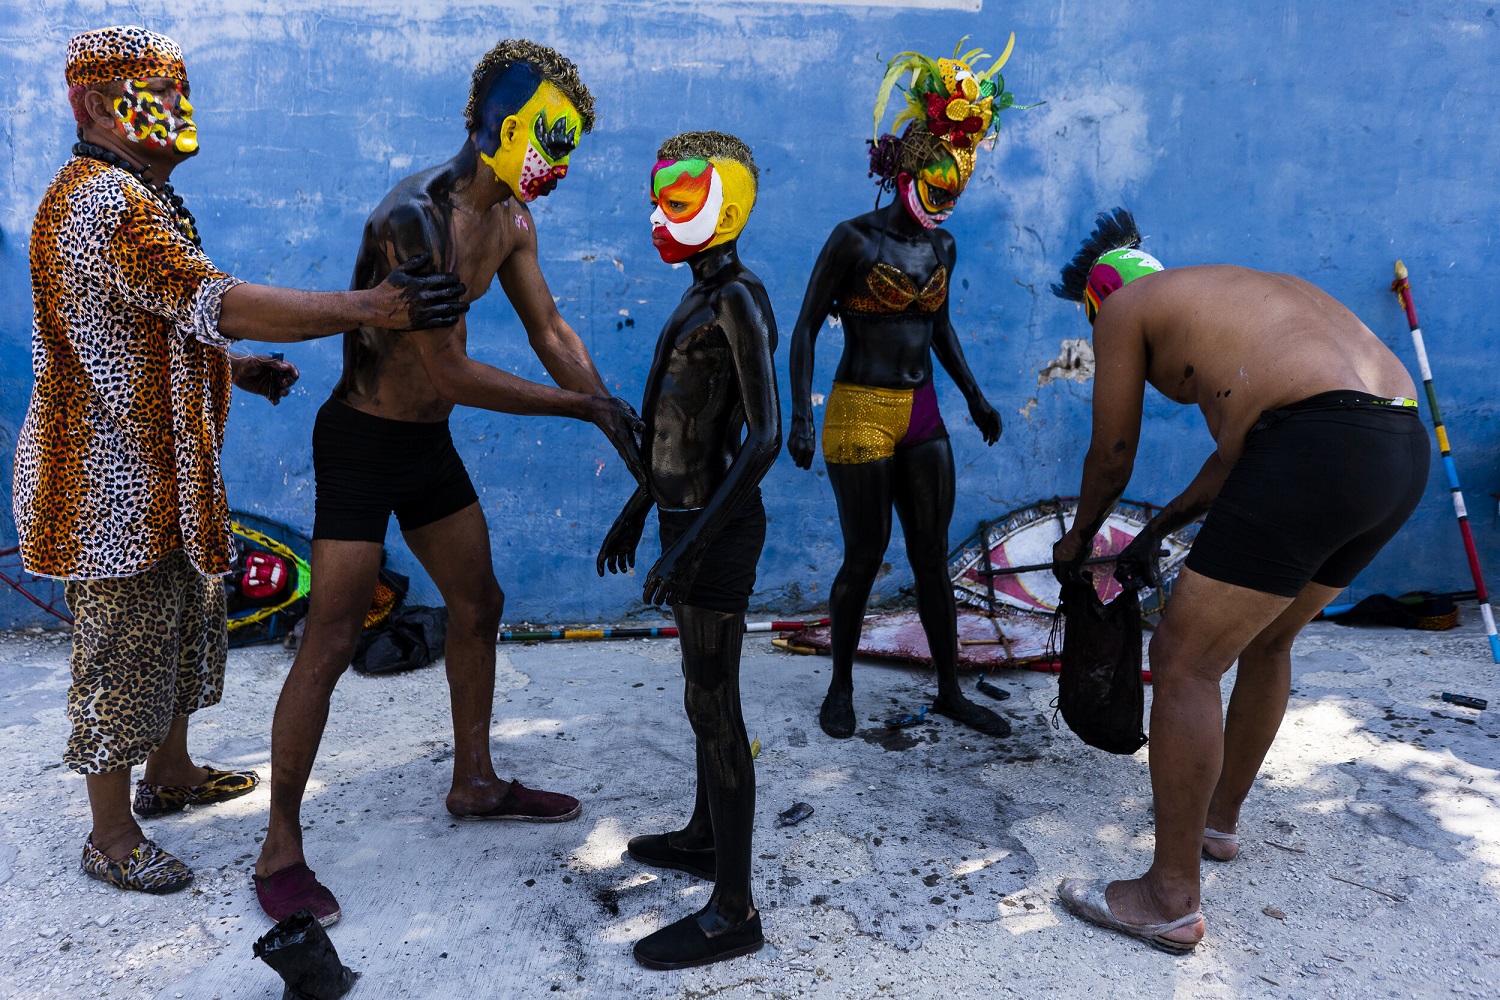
{"points": [[891, 351], [713, 430]]}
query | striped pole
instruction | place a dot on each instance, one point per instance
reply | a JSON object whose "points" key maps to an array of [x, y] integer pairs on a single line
{"points": [[1402, 287], [668, 632]]}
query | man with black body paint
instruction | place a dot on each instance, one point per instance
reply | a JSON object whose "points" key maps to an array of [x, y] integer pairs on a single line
{"points": [[713, 430], [381, 444]]}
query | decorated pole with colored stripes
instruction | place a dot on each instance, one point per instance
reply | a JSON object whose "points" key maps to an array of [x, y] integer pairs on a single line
{"points": [[1402, 287], [667, 632]]}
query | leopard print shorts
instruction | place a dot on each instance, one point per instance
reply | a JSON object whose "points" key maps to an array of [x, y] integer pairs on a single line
{"points": [[146, 649]]}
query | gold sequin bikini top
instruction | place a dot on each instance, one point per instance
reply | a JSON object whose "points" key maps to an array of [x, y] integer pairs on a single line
{"points": [[889, 290]]}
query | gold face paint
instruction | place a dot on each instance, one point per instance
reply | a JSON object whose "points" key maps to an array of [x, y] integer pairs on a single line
{"points": [[156, 112], [939, 185], [535, 157]]}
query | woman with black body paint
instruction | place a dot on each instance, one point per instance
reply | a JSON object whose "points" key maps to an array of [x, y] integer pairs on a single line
{"points": [[885, 274]]}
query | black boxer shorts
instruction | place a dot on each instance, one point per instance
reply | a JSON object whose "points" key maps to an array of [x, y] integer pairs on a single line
{"points": [[368, 466], [726, 576], [1321, 487]]}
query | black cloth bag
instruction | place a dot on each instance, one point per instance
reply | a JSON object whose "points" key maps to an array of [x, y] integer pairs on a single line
{"points": [[412, 637], [1100, 692]]}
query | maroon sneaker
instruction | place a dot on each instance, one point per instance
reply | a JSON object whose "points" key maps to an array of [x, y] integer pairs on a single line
{"points": [[531, 805], [294, 888]]}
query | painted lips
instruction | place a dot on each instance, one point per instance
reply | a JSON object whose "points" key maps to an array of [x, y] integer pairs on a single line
{"points": [[544, 184], [672, 252]]}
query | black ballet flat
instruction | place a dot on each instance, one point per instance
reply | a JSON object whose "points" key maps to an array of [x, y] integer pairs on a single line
{"points": [[655, 850], [685, 944]]}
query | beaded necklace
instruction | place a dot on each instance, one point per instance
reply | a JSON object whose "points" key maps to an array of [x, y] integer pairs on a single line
{"points": [[170, 199]]}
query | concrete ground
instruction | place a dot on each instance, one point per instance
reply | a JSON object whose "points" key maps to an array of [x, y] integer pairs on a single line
{"points": [[1371, 865]]}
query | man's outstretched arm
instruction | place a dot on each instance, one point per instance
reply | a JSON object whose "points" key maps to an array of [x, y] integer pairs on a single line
{"points": [[405, 300], [556, 344]]}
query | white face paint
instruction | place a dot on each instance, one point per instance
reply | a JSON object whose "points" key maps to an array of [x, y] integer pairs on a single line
{"points": [[699, 229]]}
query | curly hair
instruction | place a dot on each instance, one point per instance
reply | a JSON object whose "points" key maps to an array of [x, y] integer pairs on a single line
{"points": [[707, 145], [552, 66]]}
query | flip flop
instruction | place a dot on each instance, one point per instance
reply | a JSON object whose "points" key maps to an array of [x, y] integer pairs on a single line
{"points": [[1084, 897], [1232, 839]]}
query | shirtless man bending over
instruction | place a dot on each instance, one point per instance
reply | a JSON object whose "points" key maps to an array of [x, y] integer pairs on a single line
{"points": [[1321, 457], [381, 444]]}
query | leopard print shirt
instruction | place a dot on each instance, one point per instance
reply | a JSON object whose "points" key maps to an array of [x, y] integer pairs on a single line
{"points": [[117, 463]]}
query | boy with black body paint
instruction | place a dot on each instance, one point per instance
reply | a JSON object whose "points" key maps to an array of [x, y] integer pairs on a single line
{"points": [[713, 430]]}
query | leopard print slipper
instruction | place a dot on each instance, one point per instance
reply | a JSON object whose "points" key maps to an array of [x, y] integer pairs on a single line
{"points": [[219, 786], [147, 869]]}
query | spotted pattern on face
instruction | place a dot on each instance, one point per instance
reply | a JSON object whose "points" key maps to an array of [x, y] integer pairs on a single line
{"points": [[117, 462], [145, 117]]}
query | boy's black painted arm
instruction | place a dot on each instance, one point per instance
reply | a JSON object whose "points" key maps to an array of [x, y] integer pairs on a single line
{"points": [[617, 554]]}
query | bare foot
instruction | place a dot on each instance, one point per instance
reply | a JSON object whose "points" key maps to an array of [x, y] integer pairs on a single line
{"points": [[273, 858], [176, 776], [117, 845]]}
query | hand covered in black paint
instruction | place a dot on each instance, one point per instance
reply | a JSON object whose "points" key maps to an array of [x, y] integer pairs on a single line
{"points": [[265, 376], [985, 418], [617, 554], [620, 423], [799, 444], [672, 577], [412, 300], [1139, 563], [1068, 556]]}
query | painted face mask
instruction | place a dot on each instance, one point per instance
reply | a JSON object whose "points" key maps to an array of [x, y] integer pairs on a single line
{"points": [[536, 158], [148, 114], [1113, 272], [689, 198], [930, 196]]}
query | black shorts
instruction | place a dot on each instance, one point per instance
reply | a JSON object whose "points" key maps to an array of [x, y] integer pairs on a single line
{"points": [[726, 576], [368, 466], [1321, 487]]}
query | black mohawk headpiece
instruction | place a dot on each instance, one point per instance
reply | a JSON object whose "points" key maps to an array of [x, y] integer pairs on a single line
{"points": [[1112, 231]]}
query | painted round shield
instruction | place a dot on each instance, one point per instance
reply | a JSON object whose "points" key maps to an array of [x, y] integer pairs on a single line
{"points": [[1007, 563]]}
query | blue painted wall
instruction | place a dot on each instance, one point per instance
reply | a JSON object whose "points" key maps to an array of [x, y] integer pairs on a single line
{"points": [[1290, 135]]}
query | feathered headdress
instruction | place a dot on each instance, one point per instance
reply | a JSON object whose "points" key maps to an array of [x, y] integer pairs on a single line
{"points": [[956, 101], [1109, 260]]}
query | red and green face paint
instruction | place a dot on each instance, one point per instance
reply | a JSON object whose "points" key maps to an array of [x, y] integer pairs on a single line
{"points": [[688, 196], [156, 112], [930, 196]]}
